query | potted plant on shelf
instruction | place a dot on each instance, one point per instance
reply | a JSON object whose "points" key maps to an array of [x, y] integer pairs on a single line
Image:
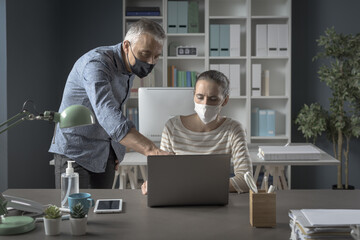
{"points": [[78, 220], [341, 73], [52, 220]]}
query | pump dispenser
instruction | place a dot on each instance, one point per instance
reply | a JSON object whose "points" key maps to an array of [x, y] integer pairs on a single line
{"points": [[69, 184]]}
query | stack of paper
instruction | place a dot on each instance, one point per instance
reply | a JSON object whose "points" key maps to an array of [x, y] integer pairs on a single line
{"points": [[322, 223], [301, 152]]}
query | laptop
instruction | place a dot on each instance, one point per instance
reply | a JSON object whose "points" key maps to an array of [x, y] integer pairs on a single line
{"points": [[180, 180]]}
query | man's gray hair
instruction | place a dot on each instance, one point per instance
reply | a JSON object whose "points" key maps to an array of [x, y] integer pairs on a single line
{"points": [[145, 26]]}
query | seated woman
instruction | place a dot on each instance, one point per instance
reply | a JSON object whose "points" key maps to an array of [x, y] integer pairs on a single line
{"points": [[206, 132]]}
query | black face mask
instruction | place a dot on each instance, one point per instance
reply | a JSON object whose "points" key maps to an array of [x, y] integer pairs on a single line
{"points": [[140, 68]]}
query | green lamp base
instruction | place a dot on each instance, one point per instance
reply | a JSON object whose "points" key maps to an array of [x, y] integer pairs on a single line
{"points": [[16, 225]]}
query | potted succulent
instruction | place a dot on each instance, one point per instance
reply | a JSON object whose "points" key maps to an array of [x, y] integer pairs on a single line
{"points": [[78, 220], [52, 220], [341, 73]]}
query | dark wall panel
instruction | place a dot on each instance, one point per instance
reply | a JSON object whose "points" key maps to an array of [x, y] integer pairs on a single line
{"points": [[310, 19], [44, 39]]}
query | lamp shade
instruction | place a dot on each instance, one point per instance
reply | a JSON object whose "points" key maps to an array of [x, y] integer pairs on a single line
{"points": [[75, 115]]}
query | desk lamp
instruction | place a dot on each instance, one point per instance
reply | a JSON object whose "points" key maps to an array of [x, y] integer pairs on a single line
{"points": [[72, 116]]}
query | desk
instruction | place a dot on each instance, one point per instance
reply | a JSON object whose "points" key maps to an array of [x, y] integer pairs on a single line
{"points": [[213, 222], [128, 168], [274, 168], [277, 168]]}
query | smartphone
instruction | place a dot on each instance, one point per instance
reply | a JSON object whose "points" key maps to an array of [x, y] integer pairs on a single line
{"points": [[108, 206]]}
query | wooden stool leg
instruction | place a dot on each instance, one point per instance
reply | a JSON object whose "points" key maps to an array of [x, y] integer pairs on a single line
{"points": [[257, 172], [283, 179], [143, 172]]}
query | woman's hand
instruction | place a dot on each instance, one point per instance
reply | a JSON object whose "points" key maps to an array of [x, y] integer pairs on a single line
{"points": [[116, 165], [144, 188]]}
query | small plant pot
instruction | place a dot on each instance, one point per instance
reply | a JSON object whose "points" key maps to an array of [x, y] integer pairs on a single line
{"points": [[78, 226], [52, 226]]}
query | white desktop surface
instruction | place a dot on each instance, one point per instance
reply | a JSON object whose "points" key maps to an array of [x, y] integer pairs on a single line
{"points": [[274, 168], [134, 158]]}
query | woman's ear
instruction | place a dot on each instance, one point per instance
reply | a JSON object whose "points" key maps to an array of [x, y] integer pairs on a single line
{"points": [[226, 101]]}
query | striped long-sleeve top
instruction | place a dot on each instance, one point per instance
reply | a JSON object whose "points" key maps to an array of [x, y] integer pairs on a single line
{"points": [[228, 138]]}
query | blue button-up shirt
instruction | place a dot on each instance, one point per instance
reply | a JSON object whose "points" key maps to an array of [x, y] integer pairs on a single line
{"points": [[99, 81]]}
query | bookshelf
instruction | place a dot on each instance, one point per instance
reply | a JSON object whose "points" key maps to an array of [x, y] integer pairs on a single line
{"points": [[247, 14]]}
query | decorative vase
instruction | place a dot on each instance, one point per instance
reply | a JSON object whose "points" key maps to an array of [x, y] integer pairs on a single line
{"points": [[78, 226], [52, 226]]}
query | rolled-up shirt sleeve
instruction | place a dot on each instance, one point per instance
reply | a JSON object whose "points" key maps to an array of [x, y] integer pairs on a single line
{"points": [[97, 79]]}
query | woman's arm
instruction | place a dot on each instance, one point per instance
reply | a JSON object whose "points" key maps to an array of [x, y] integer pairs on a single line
{"points": [[241, 159]]}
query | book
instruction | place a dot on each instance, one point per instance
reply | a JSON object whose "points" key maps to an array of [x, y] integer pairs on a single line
{"points": [[143, 9], [142, 13], [297, 152], [193, 79], [283, 39], [170, 76], [214, 40], [272, 40], [261, 40], [263, 123], [188, 79], [270, 121], [256, 80], [265, 86], [182, 16], [235, 30], [148, 81], [234, 78], [302, 228], [193, 17]]}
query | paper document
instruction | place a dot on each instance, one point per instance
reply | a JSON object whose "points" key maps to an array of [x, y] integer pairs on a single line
{"points": [[332, 217], [298, 152]]}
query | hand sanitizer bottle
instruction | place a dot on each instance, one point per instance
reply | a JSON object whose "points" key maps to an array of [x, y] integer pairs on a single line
{"points": [[69, 184]]}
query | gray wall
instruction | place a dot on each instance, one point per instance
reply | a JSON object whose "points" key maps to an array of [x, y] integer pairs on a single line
{"points": [[44, 39], [3, 111], [310, 19]]}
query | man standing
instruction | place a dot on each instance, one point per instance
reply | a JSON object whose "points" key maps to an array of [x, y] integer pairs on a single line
{"points": [[101, 80]]}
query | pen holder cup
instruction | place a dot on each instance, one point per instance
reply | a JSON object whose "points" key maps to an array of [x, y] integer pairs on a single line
{"points": [[262, 209]]}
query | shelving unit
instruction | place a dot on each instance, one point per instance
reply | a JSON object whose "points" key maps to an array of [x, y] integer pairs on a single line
{"points": [[247, 13]]}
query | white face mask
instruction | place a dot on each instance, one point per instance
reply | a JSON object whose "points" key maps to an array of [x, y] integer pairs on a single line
{"points": [[207, 113]]}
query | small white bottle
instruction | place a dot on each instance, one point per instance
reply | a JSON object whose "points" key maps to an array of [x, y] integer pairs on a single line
{"points": [[69, 184]]}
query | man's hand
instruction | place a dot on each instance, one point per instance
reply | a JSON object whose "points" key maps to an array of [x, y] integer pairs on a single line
{"points": [[158, 151], [144, 188], [141, 144]]}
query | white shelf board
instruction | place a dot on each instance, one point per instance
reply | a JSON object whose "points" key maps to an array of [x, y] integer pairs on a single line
{"points": [[271, 97], [228, 17], [186, 34], [139, 17], [186, 58], [228, 58], [270, 17], [270, 58]]}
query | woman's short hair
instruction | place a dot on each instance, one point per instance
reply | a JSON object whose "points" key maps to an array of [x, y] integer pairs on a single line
{"points": [[217, 77], [145, 26]]}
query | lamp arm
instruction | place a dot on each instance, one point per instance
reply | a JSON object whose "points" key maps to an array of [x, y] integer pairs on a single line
{"points": [[24, 115]]}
